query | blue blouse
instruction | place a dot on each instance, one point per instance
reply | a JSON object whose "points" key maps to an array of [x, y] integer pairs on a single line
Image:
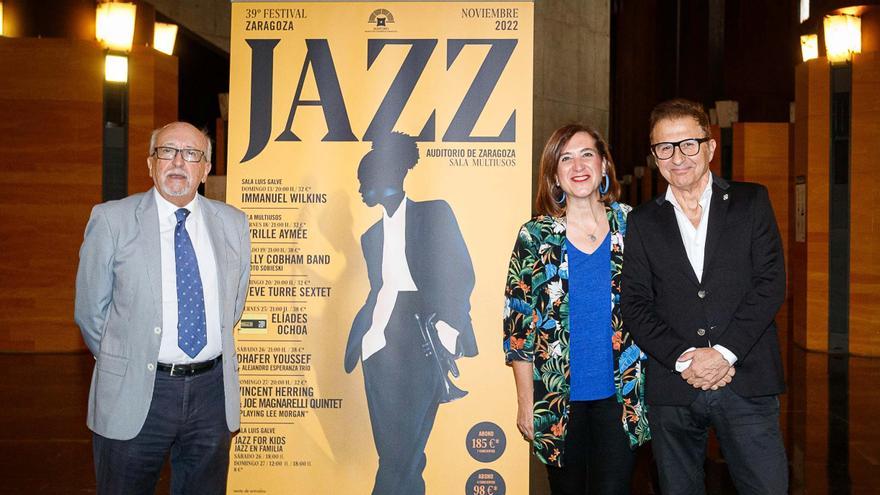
{"points": [[591, 358]]}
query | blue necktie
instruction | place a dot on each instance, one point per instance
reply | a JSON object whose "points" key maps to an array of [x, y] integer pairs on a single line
{"points": [[192, 333]]}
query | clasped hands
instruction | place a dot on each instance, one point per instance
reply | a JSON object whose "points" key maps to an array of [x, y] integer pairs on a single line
{"points": [[708, 369]]}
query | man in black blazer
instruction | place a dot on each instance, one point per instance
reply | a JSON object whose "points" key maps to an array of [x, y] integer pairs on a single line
{"points": [[702, 281]]}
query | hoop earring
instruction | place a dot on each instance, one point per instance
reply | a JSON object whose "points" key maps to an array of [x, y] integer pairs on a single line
{"points": [[561, 200], [603, 189]]}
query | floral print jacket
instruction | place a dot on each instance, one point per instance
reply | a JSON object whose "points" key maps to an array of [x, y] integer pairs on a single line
{"points": [[536, 329]]}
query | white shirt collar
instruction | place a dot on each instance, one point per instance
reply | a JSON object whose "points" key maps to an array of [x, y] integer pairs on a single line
{"points": [[398, 214], [167, 208]]}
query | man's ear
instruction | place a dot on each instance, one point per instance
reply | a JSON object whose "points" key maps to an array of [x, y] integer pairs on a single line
{"points": [[712, 144]]}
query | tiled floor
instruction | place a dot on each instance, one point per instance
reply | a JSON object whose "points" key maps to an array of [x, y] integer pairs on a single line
{"points": [[832, 435]]}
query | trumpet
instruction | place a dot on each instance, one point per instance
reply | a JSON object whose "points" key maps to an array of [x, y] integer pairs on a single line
{"points": [[445, 364]]}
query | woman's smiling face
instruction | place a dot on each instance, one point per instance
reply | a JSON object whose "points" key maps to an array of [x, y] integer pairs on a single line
{"points": [[579, 170]]}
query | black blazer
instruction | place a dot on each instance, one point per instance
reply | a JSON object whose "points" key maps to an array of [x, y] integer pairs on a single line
{"points": [[440, 266], [668, 310]]}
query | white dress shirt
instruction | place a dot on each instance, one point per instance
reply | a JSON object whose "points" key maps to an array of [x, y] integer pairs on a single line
{"points": [[169, 352], [396, 277], [694, 240]]}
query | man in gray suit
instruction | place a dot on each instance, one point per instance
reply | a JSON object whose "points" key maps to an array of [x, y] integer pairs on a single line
{"points": [[161, 283]]}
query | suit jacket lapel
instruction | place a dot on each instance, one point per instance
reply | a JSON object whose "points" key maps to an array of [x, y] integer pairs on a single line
{"points": [[413, 236], [670, 232], [147, 217], [214, 224], [717, 219], [373, 246]]}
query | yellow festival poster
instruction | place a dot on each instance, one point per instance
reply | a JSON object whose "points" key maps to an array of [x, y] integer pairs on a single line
{"points": [[382, 153]]}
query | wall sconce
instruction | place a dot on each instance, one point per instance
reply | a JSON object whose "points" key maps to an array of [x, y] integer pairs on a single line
{"points": [[114, 25], [1, 18], [164, 36], [810, 46], [114, 28], [843, 37], [116, 68]]}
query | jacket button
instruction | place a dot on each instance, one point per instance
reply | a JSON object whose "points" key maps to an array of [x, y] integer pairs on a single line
{"points": [[157, 330], [150, 366], [701, 331], [701, 294]]}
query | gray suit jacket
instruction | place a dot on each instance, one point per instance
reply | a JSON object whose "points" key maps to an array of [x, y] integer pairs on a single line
{"points": [[119, 305]]}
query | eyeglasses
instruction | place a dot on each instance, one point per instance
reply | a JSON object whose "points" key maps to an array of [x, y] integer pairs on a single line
{"points": [[688, 147], [188, 154]]}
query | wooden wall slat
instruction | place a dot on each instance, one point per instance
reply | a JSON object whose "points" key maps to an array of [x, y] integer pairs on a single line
{"points": [[761, 155], [797, 259], [51, 134], [864, 303], [809, 260], [50, 176], [818, 184], [152, 103]]}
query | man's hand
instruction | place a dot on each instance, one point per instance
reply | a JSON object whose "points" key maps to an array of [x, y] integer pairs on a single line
{"points": [[708, 368], [725, 379]]}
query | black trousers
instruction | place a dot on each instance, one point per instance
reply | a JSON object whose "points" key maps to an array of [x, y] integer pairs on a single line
{"points": [[403, 389], [187, 419], [748, 433], [597, 458]]}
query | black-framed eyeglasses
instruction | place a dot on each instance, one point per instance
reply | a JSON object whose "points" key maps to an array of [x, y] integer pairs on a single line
{"points": [[688, 147], [188, 154]]}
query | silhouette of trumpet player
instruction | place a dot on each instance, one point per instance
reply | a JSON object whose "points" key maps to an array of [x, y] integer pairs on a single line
{"points": [[416, 320]]}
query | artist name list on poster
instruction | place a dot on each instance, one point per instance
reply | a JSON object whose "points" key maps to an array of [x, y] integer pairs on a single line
{"points": [[275, 357], [278, 238]]}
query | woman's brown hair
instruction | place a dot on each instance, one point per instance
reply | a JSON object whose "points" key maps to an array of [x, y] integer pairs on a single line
{"points": [[548, 196]]}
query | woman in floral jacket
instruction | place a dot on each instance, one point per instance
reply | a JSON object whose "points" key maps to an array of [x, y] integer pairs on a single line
{"points": [[579, 376]]}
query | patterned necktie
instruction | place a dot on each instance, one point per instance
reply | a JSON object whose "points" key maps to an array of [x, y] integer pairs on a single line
{"points": [[192, 334]]}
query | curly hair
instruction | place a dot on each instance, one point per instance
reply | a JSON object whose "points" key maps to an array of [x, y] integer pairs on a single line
{"points": [[397, 151]]}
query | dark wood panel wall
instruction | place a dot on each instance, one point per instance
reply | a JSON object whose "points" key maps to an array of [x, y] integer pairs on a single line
{"points": [[51, 133], [808, 432], [639, 77], [704, 50], [50, 176]]}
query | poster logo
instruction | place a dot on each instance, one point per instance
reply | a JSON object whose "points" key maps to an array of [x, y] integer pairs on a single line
{"points": [[380, 19]]}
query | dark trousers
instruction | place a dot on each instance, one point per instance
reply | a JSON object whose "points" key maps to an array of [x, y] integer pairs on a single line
{"points": [[187, 419], [403, 393], [748, 432], [597, 458]]}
